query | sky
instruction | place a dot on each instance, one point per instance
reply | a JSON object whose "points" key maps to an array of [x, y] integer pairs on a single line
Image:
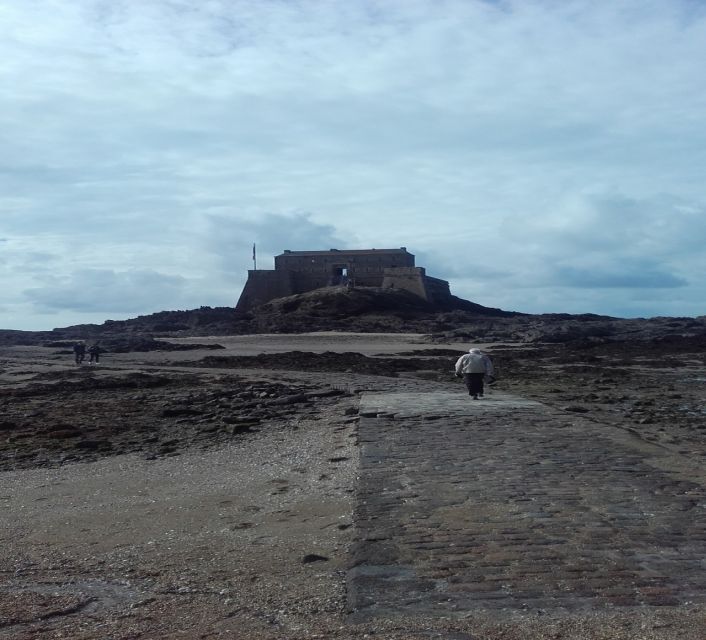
{"points": [[540, 155]]}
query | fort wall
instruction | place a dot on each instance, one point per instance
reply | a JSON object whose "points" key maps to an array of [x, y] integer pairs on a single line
{"points": [[302, 271], [410, 278], [438, 290], [265, 285]]}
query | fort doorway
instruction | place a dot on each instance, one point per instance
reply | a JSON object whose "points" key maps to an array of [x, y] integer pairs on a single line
{"points": [[340, 274]]}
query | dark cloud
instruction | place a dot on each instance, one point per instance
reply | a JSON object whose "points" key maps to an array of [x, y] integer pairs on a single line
{"points": [[628, 278], [104, 290], [608, 241]]}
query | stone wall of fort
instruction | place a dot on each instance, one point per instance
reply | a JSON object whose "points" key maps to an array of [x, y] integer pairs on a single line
{"points": [[438, 290], [409, 278], [302, 271], [265, 285], [365, 268], [414, 279]]}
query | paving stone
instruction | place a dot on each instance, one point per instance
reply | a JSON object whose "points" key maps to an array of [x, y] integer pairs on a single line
{"points": [[501, 505]]}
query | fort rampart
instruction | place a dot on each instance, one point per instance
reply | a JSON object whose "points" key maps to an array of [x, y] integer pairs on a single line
{"points": [[302, 271]]}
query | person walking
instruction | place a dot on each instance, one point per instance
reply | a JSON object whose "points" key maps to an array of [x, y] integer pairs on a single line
{"points": [[79, 351], [94, 352], [473, 367]]}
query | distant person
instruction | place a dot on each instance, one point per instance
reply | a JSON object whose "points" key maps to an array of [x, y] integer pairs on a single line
{"points": [[474, 366], [79, 352], [94, 353]]}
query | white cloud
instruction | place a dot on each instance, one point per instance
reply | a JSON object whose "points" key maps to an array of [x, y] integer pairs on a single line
{"points": [[516, 147]]}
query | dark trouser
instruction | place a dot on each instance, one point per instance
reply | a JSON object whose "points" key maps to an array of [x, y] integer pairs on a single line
{"points": [[94, 357], [474, 383]]}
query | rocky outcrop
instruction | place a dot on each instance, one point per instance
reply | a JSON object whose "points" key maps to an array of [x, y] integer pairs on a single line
{"points": [[366, 309], [580, 331]]}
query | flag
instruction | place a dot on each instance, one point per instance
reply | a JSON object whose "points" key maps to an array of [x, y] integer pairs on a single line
{"points": [[253, 252]]}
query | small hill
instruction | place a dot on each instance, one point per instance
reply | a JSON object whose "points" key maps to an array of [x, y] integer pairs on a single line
{"points": [[364, 309], [369, 309], [328, 309]]}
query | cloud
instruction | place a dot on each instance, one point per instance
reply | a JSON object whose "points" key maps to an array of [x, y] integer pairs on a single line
{"points": [[617, 239], [103, 290], [591, 252], [534, 153], [231, 239], [626, 277]]}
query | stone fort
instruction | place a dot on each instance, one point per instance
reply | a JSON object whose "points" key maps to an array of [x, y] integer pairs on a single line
{"points": [[302, 271]]}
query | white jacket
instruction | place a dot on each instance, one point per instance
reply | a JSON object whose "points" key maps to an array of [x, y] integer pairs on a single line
{"points": [[474, 362]]}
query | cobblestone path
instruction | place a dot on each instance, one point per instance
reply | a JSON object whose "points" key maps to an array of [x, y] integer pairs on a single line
{"points": [[503, 503]]}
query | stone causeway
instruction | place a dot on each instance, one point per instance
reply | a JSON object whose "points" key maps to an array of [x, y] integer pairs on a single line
{"points": [[506, 504]]}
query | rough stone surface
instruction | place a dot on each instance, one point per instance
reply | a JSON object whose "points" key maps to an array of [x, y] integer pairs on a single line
{"points": [[501, 504]]}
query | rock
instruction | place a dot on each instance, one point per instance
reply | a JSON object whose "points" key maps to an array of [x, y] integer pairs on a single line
{"points": [[92, 445], [235, 429], [313, 557], [246, 419], [208, 427], [172, 412], [324, 393], [62, 434], [575, 408], [294, 399]]}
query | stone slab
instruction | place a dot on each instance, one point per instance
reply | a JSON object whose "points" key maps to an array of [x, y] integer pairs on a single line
{"points": [[507, 506]]}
